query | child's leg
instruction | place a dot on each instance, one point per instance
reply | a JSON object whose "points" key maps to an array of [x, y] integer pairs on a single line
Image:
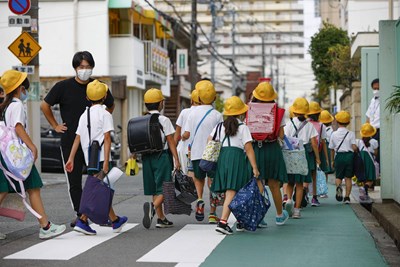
{"points": [[37, 204], [199, 184], [314, 182], [112, 215], [213, 208], [274, 186], [229, 195], [349, 185], [289, 190], [157, 202], [299, 195]]}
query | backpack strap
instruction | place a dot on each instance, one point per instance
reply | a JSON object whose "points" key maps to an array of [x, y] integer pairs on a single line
{"points": [[89, 127], [198, 125], [337, 150], [10, 176], [301, 127]]}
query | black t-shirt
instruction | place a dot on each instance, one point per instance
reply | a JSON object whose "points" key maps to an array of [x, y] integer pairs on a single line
{"points": [[71, 96]]}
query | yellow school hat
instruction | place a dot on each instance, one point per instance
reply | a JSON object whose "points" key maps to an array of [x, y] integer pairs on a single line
{"points": [[342, 117], [300, 106], [96, 90], [314, 108], [11, 80], [153, 96], [206, 91], [367, 130], [265, 92], [325, 117], [234, 106]]}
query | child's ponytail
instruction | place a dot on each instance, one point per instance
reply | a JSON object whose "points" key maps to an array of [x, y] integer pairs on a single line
{"points": [[231, 125]]}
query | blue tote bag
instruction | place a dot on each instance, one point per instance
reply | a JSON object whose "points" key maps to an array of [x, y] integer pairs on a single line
{"points": [[96, 200], [249, 206]]}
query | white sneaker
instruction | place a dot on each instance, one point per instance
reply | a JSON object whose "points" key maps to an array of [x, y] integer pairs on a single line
{"points": [[296, 214], [53, 231], [289, 207], [2, 236]]}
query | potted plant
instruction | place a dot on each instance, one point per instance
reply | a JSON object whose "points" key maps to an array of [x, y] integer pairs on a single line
{"points": [[393, 102]]}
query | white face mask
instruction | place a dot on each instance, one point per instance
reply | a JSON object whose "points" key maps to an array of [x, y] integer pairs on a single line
{"points": [[84, 74], [376, 92]]}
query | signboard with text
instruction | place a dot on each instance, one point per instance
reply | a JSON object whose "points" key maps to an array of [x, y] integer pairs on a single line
{"points": [[182, 67]]}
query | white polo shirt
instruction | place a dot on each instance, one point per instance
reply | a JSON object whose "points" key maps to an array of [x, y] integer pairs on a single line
{"points": [[373, 112], [337, 137], [329, 132], [305, 134], [183, 116], [199, 140], [101, 122], [166, 123], [16, 113], [373, 144], [242, 137]]}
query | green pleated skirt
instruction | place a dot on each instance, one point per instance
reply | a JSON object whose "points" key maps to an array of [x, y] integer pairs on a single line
{"points": [[33, 181], [369, 166], [270, 161], [298, 178], [232, 172]]}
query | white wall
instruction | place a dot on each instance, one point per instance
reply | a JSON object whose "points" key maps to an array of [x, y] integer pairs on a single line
{"points": [[58, 39], [364, 16]]}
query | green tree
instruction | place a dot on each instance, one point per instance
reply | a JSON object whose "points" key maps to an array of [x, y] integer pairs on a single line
{"points": [[328, 37]]}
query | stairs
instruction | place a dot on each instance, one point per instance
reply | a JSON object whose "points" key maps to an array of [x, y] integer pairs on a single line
{"points": [[172, 105]]}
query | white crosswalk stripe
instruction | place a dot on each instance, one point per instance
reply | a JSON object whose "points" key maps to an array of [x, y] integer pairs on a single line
{"points": [[69, 245], [189, 247]]}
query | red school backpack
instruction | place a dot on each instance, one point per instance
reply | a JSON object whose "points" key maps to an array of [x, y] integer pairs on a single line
{"points": [[263, 120]]}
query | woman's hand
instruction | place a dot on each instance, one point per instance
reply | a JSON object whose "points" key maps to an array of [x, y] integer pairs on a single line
{"points": [[256, 173]]}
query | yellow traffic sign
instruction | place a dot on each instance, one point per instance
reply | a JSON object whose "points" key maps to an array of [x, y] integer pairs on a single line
{"points": [[25, 48]]}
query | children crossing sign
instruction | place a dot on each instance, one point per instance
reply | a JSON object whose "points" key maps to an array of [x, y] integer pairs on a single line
{"points": [[25, 48]]}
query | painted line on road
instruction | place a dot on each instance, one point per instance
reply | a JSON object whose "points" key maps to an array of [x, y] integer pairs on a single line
{"points": [[188, 247], [69, 245]]}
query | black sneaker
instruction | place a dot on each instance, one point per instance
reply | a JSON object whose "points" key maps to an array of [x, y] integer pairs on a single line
{"points": [[223, 228], [305, 200], [199, 210], [339, 193], [239, 227], [149, 211], [164, 223], [346, 200], [73, 222]]}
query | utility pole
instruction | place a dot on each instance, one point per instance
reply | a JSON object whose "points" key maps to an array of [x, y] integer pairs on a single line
{"points": [[33, 105], [233, 52], [263, 55], [271, 65], [193, 49], [212, 39]]}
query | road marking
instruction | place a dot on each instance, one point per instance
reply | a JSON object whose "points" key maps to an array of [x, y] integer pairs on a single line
{"points": [[189, 247], [69, 245]]}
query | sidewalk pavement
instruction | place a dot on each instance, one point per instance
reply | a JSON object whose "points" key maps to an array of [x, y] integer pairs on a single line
{"points": [[334, 234]]}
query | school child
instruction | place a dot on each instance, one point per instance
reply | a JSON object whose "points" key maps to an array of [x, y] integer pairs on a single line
{"points": [[182, 147], [157, 167], [232, 173], [12, 112], [269, 155], [198, 127], [368, 148], [343, 144], [326, 118], [101, 124], [299, 127], [313, 117], [284, 186]]}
